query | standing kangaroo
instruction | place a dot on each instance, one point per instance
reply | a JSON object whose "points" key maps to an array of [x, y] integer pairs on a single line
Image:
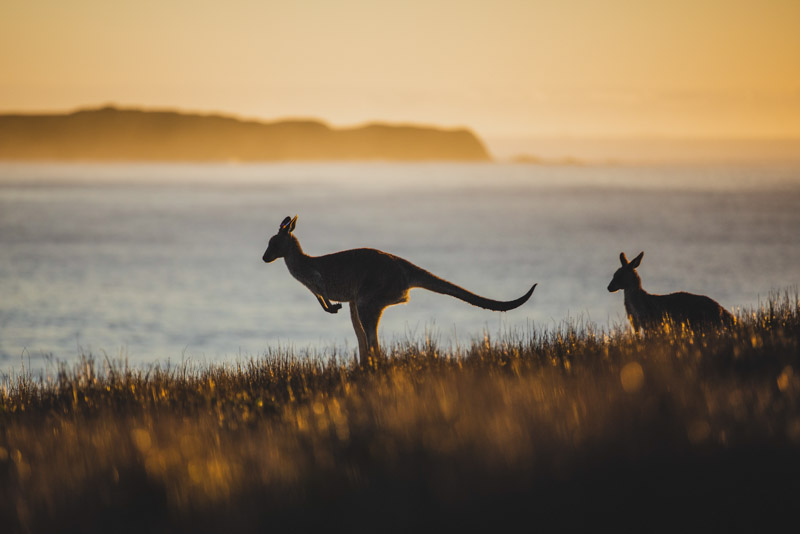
{"points": [[369, 280], [649, 311]]}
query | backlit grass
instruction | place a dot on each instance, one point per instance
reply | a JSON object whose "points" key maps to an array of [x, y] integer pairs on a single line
{"points": [[553, 429]]}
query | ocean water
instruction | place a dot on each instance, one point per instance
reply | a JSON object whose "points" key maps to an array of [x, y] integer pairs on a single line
{"points": [[162, 263]]}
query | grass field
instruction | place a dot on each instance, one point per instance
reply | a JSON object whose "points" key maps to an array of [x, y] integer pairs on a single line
{"points": [[565, 429]]}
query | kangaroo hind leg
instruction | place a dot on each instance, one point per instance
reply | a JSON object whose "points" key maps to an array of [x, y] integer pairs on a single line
{"points": [[370, 316], [361, 336]]}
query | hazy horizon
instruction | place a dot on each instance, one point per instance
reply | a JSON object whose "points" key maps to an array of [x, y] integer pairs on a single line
{"points": [[543, 149]]}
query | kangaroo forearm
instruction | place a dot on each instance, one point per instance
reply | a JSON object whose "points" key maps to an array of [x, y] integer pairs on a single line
{"points": [[327, 305]]}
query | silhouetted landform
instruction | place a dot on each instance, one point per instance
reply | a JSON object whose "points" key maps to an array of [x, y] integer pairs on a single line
{"points": [[113, 134]]}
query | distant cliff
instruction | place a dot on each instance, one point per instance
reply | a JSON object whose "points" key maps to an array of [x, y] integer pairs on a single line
{"points": [[112, 134]]}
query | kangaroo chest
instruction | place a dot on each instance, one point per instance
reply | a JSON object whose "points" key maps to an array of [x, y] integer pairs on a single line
{"points": [[638, 306], [320, 283], [305, 274]]}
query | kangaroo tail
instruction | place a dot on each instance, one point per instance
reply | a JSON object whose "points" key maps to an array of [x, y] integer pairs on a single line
{"points": [[422, 278]]}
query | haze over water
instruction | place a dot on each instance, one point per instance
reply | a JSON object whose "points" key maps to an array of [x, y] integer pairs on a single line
{"points": [[160, 263]]}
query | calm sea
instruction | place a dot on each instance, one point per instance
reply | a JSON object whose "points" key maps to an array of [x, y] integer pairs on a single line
{"points": [[162, 263]]}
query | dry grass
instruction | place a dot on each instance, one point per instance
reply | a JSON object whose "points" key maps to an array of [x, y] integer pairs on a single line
{"points": [[559, 430]]}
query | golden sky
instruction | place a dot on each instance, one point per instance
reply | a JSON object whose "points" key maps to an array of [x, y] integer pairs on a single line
{"points": [[505, 68]]}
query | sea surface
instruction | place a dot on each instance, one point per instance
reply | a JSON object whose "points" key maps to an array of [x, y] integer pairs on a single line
{"points": [[161, 264]]}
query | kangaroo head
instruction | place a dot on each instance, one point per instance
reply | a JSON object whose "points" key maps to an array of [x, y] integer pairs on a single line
{"points": [[279, 243], [626, 276]]}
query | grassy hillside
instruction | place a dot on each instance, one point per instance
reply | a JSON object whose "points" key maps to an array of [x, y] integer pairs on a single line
{"points": [[111, 134], [551, 430]]}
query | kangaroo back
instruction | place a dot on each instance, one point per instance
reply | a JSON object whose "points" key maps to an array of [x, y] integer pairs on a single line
{"points": [[697, 310], [419, 277]]}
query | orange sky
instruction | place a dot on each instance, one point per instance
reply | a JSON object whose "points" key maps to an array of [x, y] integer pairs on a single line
{"points": [[505, 68]]}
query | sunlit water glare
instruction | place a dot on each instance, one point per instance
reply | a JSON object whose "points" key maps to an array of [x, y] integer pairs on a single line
{"points": [[162, 263]]}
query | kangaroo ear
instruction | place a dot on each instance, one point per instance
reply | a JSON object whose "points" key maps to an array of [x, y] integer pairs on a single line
{"points": [[284, 227], [637, 260], [292, 224], [622, 259]]}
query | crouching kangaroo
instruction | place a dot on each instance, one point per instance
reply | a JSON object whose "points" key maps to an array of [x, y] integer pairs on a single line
{"points": [[369, 280], [649, 311]]}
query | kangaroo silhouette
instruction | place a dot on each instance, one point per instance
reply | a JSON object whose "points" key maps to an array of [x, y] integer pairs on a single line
{"points": [[368, 280], [647, 311]]}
